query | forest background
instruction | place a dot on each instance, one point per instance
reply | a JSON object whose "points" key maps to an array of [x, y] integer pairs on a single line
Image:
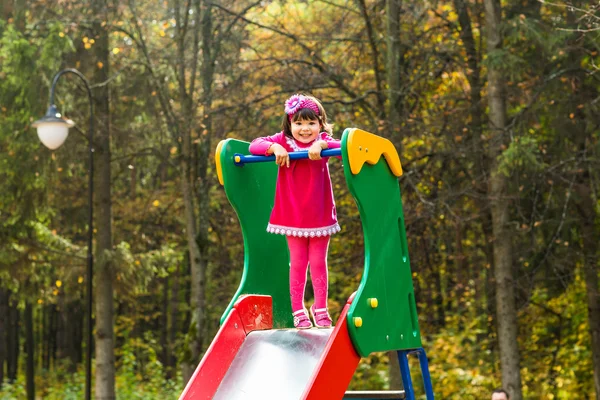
{"points": [[492, 105]]}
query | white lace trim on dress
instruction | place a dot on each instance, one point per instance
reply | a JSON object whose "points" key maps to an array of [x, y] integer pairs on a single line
{"points": [[292, 143], [304, 232]]}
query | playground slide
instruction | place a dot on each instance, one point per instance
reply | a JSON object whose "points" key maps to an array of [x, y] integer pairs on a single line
{"points": [[255, 354], [275, 362], [248, 360]]}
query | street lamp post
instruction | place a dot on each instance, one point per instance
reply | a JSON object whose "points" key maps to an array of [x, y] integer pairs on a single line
{"points": [[52, 130]]}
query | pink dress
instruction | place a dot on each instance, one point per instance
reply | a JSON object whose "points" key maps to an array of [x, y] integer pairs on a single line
{"points": [[304, 204]]}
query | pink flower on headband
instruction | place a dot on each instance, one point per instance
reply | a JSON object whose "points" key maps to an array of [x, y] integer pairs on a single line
{"points": [[298, 102], [292, 105]]}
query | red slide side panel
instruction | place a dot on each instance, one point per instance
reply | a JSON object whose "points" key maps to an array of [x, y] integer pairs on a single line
{"points": [[250, 313], [335, 370], [256, 312], [214, 365]]}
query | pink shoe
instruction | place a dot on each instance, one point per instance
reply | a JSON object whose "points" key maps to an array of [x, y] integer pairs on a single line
{"points": [[301, 320], [321, 317]]}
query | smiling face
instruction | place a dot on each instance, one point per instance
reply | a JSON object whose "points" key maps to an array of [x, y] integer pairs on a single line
{"points": [[305, 130]]}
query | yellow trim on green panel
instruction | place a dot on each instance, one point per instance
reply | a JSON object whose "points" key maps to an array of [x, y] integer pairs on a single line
{"points": [[218, 162], [366, 147]]}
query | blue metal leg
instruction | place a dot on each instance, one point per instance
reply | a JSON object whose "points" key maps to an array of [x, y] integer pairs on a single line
{"points": [[405, 372], [425, 374]]}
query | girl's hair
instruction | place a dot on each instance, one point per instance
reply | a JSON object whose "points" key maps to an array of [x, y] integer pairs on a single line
{"points": [[306, 114]]}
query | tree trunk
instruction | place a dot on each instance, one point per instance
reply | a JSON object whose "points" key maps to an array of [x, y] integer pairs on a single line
{"points": [[461, 272], [67, 337], [164, 322], [472, 74], [174, 309], [394, 65], [439, 298], [46, 335], [133, 182], [194, 258], [505, 291], [489, 288], [53, 334], [29, 346], [583, 132], [103, 274], [585, 206], [198, 238], [484, 295], [4, 324], [394, 371], [188, 178], [204, 150], [12, 365], [372, 37], [38, 336]]}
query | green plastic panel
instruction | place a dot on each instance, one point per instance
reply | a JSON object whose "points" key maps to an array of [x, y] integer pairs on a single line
{"points": [[251, 190], [393, 324]]}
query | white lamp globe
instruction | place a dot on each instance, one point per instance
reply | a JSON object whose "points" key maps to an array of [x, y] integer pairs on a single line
{"points": [[52, 135], [52, 129]]}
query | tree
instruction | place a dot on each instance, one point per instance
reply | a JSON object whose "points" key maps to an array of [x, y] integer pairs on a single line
{"points": [[585, 119], [104, 268], [507, 324]]}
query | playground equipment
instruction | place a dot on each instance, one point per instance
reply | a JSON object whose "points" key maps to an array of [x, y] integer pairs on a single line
{"points": [[256, 353]]}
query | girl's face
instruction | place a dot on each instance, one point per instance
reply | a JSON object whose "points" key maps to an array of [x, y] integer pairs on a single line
{"points": [[306, 131]]}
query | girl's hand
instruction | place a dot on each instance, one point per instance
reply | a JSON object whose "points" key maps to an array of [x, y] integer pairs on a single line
{"points": [[281, 155], [314, 152]]}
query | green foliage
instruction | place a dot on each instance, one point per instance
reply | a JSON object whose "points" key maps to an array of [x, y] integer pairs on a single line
{"points": [[14, 390], [132, 382], [371, 373], [461, 362], [522, 155], [23, 58], [533, 35], [506, 61], [68, 387], [558, 359], [139, 379]]}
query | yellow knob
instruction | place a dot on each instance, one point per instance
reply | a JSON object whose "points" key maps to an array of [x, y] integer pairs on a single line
{"points": [[373, 302], [237, 159], [357, 322]]}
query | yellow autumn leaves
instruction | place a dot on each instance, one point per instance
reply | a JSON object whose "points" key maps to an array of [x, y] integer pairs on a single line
{"points": [[87, 42]]}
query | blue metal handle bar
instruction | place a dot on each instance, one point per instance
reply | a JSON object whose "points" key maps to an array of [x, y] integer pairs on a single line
{"points": [[240, 159]]}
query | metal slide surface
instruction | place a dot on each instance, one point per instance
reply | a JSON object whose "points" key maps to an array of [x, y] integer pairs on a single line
{"points": [[273, 365]]}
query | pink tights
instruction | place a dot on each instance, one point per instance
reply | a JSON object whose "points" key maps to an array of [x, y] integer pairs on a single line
{"points": [[304, 251]]}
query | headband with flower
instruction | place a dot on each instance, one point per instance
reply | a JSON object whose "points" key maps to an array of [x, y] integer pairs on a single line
{"points": [[298, 102]]}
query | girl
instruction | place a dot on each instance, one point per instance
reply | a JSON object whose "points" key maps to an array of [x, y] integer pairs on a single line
{"points": [[304, 209]]}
